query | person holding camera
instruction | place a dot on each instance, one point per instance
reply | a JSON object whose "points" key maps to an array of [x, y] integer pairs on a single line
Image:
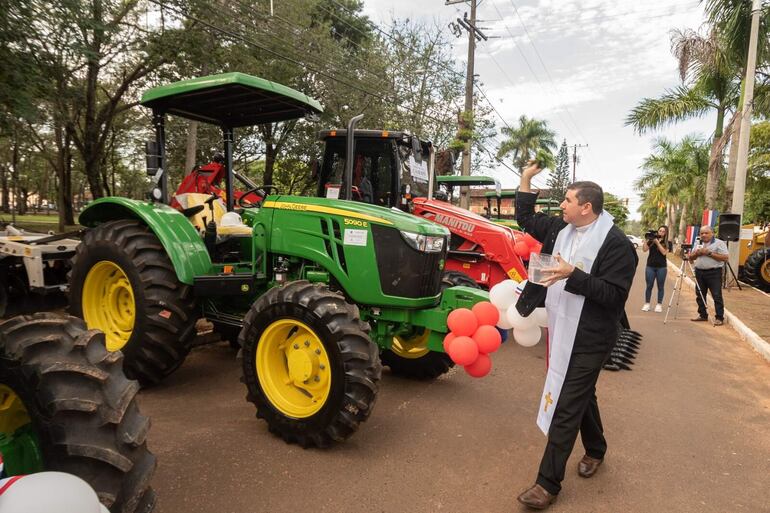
{"points": [[658, 246], [709, 257]]}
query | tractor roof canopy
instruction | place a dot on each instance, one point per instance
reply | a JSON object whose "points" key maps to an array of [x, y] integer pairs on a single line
{"points": [[230, 99], [503, 194], [454, 180]]}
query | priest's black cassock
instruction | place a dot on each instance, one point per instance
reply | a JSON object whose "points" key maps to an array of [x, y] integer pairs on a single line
{"points": [[605, 289]]}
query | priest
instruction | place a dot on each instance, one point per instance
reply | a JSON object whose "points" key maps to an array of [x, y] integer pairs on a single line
{"points": [[585, 295]]}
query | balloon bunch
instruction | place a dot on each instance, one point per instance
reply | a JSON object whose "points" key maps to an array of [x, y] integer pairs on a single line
{"points": [[524, 244], [526, 330], [473, 337]]}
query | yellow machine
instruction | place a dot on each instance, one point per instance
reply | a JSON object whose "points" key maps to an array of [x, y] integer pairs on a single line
{"points": [[754, 258]]}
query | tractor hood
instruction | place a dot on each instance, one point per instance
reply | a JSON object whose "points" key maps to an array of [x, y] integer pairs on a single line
{"points": [[357, 211], [456, 216]]}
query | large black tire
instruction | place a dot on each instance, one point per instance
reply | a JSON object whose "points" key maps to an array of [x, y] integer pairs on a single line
{"points": [[757, 269], [81, 407], [352, 356], [432, 364], [164, 308]]}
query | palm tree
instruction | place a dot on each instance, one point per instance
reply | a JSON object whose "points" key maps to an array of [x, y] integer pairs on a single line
{"points": [[707, 84], [732, 20], [674, 178], [525, 140]]}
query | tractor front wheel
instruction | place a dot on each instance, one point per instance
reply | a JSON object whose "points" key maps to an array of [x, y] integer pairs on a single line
{"points": [[757, 269], [123, 283], [65, 405], [309, 365], [410, 357]]}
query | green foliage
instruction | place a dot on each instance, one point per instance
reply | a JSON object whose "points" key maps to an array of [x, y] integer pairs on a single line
{"points": [[617, 209], [525, 140], [559, 178], [757, 204]]}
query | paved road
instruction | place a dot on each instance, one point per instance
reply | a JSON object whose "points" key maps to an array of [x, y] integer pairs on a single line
{"points": [[688, 431]]}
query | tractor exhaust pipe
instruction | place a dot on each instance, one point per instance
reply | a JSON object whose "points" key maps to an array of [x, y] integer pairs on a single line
{"points": [[347, 191]]}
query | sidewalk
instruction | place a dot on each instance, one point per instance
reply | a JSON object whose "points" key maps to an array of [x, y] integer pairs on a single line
{"points": [[747, 311]]}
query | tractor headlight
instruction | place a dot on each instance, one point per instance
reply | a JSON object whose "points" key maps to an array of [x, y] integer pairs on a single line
{"points": [[426, 243]]}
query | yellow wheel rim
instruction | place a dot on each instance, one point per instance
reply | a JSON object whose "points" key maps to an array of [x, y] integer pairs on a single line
{"points": [[293, 368], [13, 414], [765, 271], [411, 347], [108, 303]]}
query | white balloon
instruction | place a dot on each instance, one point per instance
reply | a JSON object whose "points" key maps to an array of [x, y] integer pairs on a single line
{"points": [[503, 323], [527, 337], [517, 321], [540, 316], [50, 492], [503, 294]]}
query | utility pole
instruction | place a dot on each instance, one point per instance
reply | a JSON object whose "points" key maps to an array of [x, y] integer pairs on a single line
{"points": [[743, 144], [574, 157], [474, 34]]}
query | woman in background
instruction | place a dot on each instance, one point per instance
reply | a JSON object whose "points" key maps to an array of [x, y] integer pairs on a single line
{"points": [[658, 247]]}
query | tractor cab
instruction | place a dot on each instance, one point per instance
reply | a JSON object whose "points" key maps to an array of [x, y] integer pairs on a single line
{"points": [[389, 169], [497, 213], [445, 185]]}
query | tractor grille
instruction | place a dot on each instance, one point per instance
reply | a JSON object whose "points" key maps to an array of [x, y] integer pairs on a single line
{"points": [[405, 272]]}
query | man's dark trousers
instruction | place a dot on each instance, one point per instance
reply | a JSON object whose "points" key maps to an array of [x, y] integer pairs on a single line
{"points": [[577, 410], [710, 280]]}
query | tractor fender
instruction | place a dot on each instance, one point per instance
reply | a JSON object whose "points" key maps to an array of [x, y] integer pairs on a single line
{"points": [[181, 241]]}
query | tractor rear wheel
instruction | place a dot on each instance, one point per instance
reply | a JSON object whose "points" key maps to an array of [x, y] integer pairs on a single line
{"points": [[123, 283], [410, 357], [65, 405], [757, 269], [308, 364]]}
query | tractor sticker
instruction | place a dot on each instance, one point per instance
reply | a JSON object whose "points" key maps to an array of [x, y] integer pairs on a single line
{"points": [[355, 237], [356, 222], [305, 207], [514, 275], [451, 222]]}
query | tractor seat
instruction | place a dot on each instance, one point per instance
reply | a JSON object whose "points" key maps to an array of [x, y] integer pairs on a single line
{"points": [[232, 225]]}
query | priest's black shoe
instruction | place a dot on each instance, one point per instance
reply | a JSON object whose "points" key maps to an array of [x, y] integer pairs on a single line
{"points": [[588, 466], [537, 497]]}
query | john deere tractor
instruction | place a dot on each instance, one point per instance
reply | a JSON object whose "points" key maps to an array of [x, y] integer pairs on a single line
{"points": [[315, 286]]}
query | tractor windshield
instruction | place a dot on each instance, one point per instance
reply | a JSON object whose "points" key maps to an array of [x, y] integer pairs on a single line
{"points": [[372, 170], [414, 170]]}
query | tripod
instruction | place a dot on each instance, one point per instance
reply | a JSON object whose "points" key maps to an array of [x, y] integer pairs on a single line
{"points": [[678, 287], [729, 268]]}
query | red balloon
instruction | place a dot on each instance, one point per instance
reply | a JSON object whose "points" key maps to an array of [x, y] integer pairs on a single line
{"points": [[448, 341], [462, 322], [480, 367], [486, 313], [463, 350], [488, 339], [521, 248]]}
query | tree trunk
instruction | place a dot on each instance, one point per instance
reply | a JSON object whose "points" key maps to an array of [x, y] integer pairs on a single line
{"points": [[5, 204], [270, 154], [192, 146], [683, 222]]}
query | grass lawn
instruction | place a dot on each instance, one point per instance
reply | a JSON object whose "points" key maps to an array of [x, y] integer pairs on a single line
{"points": [[30, 218]]}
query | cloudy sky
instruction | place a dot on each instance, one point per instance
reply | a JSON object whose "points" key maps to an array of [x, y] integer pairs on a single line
{"points": [[582, 65]]}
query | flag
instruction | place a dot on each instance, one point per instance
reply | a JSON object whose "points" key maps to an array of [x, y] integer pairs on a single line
{"points": [[692, 233], [709, 218]]}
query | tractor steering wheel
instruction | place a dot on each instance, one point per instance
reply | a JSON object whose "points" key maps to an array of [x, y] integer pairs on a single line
{"points": [[259, 190]]}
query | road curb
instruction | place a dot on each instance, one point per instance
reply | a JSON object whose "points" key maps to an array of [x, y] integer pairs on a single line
{"points": [[747, 334]]}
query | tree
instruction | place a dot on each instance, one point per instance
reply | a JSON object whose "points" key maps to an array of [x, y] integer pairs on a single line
{"points": [[524, 141], [559, 177], [617, 209]]}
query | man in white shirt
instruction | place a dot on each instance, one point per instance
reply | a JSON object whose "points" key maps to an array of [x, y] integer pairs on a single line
{"points": [[709, 258]]}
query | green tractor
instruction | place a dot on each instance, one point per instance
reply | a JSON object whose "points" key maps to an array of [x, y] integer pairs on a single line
{"points": [[316, 287], [495, 213]]}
